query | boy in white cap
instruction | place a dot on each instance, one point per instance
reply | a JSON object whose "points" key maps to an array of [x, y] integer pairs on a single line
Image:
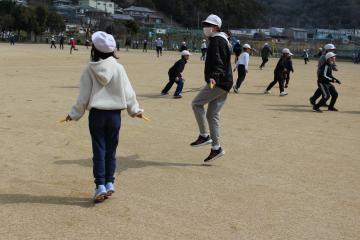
{"points": [[325, 78], [53, 42], [279, 72], [203, 50], [218, 76], [175, 75], [322, 61], [306, 56], [105, 91], [183, 47], [242, 66], [265, 53], [159, 46]]}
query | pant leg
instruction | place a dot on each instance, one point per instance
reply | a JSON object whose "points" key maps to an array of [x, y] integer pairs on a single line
{"points": [[241, 76], [281, 80], [179, 88], [168, 85], [112, 139], [272, 84], [325, 93], [334, 95], [213, 117], [205, 96], [97, 132], [264, 61]]}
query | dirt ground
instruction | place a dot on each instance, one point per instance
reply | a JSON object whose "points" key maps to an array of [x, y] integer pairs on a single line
{"points": [[288, 173]]}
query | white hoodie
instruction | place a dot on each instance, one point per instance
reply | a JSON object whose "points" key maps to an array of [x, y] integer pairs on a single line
{"points": [[105, 85]]}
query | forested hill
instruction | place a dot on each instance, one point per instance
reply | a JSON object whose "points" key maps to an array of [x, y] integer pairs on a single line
{"points": [[261, 13], [312, 13]]}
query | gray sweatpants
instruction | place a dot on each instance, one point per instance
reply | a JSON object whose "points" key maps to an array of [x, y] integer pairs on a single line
{"points": [[215, 98]]}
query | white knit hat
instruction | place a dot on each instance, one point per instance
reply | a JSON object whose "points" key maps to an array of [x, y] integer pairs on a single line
{"points": [[286, 50], [330, 55], [246, 46], [103, 42], [330, 46], [213, 20], [185, 53]]}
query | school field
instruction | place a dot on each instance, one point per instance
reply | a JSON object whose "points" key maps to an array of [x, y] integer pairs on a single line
{"points": [[288, 173]]}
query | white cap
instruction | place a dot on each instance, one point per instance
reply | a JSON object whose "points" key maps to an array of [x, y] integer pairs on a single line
{"points": [[287, 51], [103, 42], [330, 55], [238, 41], [266, 44], [214, 20], [330, 46], [185, 53], [183, 42], [247, 46], [204, 40]]}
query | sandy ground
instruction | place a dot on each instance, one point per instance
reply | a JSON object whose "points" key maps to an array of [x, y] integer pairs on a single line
{"points": [[288, 173]]}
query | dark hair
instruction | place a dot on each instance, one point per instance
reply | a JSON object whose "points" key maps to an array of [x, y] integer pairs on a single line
{"points": [[96, 55]]}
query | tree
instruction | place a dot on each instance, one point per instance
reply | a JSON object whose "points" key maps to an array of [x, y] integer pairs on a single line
{"points": [[55, 22], [132, 27]]}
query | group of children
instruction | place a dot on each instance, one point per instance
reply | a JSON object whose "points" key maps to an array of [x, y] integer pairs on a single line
{"points": [[105, 91]]}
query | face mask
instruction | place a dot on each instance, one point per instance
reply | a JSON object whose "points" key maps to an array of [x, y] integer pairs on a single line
{"points": [[207, 31]]}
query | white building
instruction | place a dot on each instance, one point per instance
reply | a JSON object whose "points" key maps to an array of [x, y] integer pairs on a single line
{"points": [[104, 5]]}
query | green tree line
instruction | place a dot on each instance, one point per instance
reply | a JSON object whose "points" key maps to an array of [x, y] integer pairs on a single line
{"points": [[35, 20]]}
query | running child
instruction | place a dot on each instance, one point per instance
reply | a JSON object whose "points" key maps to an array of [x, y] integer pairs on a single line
{"points": [[325, 78], [72, 45], [279, 72], [242, 66], [265, 53], [237, 50], [203, 50], [175, 75], [105, 91]]}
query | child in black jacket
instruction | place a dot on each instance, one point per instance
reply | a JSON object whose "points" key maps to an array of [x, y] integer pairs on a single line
{"points": [[175, 75], [325, 78]]}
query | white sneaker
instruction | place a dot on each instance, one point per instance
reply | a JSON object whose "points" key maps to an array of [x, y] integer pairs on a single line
{"points": [[100, 193], [283, 94], [235, 89], [109, 189], [267, 92]]}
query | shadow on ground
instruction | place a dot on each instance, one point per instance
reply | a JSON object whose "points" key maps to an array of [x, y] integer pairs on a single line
{"points": [[125, 163], [56, 200], [289, 108], [158, 95]]}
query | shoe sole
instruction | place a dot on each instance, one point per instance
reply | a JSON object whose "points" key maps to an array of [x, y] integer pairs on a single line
{"points": [[109, 193], [202, 144], [317, 111], [216, 157], [100, 198]]}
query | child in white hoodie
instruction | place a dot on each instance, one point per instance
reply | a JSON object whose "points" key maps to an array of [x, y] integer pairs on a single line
{"points": [[105, 90]]}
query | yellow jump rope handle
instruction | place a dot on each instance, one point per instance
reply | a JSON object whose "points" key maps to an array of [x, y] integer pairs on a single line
{"points": [[146, 119], [211, 85]]}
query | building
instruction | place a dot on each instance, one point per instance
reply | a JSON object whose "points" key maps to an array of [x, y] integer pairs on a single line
{"points": [[144, 15], [103, 5], [296, 33]]}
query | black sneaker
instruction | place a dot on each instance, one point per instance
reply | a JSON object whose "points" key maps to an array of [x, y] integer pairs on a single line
{"points": [[332, 109], [177, 96], [201, 141], [164, 94], [316, 109], [214, 154], [312, 101]]}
